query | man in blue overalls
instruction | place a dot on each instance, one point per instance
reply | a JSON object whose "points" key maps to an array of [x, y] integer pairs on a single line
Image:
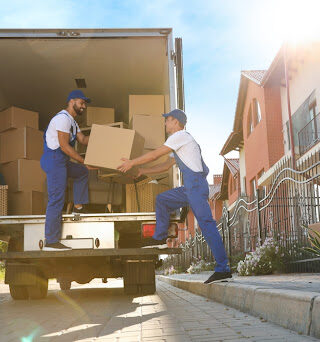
{"points": [[186, 153], [59, 140]]}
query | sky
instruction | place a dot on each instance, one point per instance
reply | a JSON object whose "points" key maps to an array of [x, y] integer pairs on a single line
{"points": [[220, 38]]}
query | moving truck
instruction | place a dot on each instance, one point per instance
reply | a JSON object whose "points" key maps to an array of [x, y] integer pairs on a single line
{"points": [[38, 69]]}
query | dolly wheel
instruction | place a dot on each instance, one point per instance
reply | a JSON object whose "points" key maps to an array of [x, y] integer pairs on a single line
{"points": [[18, 292]]}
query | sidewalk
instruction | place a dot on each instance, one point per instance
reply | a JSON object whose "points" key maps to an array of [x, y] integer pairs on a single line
{"points": [[290, 300]]}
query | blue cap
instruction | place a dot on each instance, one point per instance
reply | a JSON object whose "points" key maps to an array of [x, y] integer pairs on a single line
{"points": [[178, 114], [77, 94]]}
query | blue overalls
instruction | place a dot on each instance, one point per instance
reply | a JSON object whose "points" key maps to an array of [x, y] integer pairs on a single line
{"points": [[195, 193], [56, 164]]}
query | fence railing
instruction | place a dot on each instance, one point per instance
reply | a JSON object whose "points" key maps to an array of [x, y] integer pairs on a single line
{"points": [[288, 204]]}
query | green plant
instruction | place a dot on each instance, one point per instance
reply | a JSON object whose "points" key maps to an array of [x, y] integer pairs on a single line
{"points": [[200, 266], [315, 242], [264, 260]]}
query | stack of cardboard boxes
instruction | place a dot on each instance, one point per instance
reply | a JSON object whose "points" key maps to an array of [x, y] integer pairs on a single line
{"points": [[108, 144], [21, 146], [145, 117]]}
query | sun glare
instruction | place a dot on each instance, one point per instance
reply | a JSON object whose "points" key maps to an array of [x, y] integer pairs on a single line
{"points": [[295, 20]]}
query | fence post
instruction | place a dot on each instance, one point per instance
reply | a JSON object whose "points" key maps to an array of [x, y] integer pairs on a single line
{"points": [[229, 233], [259, 218]]}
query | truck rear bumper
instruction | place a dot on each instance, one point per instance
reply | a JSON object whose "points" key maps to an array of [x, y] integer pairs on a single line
{"points": [[116, 252]]}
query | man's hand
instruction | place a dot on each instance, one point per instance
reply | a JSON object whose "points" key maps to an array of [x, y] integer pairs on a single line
{"points": [[126, 166], [140, 172]]}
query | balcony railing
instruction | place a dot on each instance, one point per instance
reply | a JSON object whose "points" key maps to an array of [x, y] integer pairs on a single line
{"points": [[309, 135]]}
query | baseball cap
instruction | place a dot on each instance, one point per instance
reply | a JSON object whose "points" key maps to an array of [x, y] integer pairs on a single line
{"points": [[77, 94], [178, 114]]}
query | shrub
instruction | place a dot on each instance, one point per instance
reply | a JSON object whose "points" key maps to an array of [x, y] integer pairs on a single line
{"points": [[264, 260], [315, 242], [200, 266]]}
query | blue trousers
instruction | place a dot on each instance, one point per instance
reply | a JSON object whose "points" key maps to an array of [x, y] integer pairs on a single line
{"points": [[177, 198], [58, 170]]}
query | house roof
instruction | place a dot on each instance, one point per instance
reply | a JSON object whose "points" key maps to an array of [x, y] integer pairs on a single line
{"points": [[214, 189], [236, 136], [232, 166], [254, 75]]}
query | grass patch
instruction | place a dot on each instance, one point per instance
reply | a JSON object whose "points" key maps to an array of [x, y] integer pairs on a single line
{"points": [[1, 275]]}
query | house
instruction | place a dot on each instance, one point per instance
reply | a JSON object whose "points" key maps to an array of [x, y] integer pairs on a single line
{"points": [[230, 183], [257, 129], [302, 62]]}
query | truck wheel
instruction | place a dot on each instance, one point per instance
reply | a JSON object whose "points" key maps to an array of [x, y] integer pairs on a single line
{"points": [[65, 285], [18, 292], [40, 289]]}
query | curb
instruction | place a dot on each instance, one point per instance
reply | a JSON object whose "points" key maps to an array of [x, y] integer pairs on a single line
{"points": [[294, 310]]}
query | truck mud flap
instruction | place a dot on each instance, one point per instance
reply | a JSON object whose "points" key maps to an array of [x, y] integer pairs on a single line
{"points": [[139, 277], [20, 274]]}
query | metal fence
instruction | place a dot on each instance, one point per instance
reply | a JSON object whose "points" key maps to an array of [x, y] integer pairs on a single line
{"points": [[283, 209]]}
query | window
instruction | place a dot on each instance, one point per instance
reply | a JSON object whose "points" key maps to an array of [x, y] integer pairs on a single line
{"points": [[249, 122], [257, 111]]}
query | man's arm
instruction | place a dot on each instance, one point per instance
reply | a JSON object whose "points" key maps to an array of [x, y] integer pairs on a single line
{"points": [[82, 139], [146, 158], [66, 148], [162, 167]]}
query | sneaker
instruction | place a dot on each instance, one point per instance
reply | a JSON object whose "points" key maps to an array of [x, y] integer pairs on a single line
{"points": [[218, 276], [56, 246], [152, 243], [79, 211]]}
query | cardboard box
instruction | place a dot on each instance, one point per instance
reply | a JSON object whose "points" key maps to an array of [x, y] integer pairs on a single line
{"points": [[146, 104], [21, 143], [81, 149], [147, 191], [14, 117], [151, 128], [26, 203], [107, 145], [24, 175], [98, 115]]}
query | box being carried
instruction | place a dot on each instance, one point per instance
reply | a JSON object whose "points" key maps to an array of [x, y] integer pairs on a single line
{"points": [[107, 145], [14, 117]]}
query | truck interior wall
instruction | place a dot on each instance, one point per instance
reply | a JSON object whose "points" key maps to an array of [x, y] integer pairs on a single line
{"points": [[37, 74]]}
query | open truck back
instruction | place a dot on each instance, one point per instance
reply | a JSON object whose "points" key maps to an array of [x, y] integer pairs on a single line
{"points": [[39, 67]]}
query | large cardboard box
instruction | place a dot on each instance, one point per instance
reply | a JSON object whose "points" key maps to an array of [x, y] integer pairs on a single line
{"points": [[26, 203], [14, 117], [151, 128], [24, 175], [146, 104], [21, 143], [107, 145], [98, 115]]}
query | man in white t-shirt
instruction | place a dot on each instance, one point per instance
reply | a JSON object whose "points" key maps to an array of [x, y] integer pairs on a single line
{"points": [[59, 140], [185, 152]]}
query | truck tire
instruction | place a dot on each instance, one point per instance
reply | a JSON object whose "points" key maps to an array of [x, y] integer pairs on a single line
{"points": [[18, 292], [40, 289], [139, 277], [65, 285]]}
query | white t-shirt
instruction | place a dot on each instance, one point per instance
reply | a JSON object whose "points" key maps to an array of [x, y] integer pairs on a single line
{"points": [[186, 148], [63, 123]]}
